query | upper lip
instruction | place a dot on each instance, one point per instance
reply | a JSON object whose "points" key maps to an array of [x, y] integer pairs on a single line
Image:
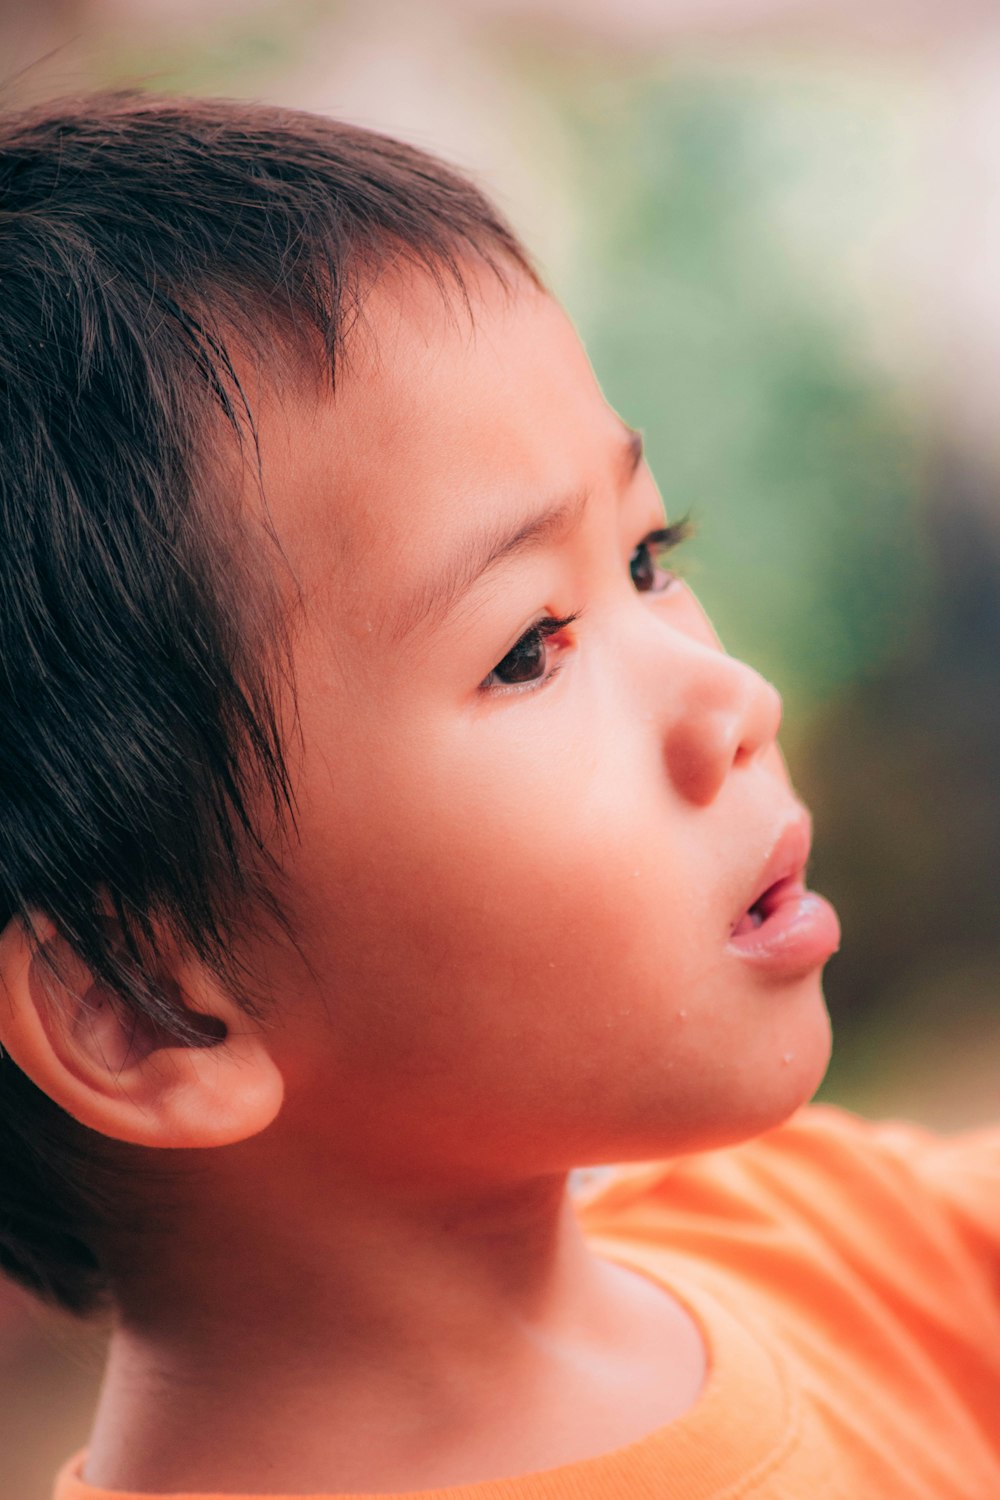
{"points": [[789, 855]]}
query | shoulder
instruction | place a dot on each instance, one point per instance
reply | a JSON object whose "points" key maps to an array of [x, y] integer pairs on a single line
{"points": [[824, 1172], [878, 1242]]}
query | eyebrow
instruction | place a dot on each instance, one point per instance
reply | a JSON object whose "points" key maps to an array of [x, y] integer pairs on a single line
{"points": [[479, 553]]}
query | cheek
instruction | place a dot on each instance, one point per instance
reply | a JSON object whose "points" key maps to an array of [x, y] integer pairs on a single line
{"points": [[480, 895], [526, 944]]}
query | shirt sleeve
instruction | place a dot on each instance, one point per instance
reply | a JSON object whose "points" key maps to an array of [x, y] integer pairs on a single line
{"points": [[891, 1202]]}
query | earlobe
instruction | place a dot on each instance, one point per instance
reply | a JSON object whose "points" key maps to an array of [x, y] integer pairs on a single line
{"points": [[119, 1073]]}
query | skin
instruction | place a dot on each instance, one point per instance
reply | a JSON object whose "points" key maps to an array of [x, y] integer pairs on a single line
{"points": [[512, 907]]}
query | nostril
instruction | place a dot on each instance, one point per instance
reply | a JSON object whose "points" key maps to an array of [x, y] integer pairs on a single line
{"points": [[701, 749], [728, 716], [761, 719]]}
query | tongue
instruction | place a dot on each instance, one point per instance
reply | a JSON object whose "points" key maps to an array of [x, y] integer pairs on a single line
{"points": [[748, 922]]}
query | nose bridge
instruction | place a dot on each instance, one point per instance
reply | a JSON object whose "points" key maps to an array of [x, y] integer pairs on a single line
{"points": [[725, 715]]}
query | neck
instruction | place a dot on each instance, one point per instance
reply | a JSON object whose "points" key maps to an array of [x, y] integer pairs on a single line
{"points": [[374, 1346]]}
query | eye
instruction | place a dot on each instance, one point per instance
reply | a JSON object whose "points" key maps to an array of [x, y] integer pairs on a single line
{"points": [[528, 661], [646, 563]]}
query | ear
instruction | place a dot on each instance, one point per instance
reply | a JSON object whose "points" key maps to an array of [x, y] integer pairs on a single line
{"points": [[123, 1077]]}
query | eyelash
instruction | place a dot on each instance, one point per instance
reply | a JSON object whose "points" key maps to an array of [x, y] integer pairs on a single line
{"points": [[663, 540], [542, 631]]}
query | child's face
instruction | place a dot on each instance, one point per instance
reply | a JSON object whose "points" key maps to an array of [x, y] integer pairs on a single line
{"points": [[515, 893]]}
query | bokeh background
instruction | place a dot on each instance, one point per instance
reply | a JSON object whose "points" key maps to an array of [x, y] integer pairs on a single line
{"points": [[777, 224]]}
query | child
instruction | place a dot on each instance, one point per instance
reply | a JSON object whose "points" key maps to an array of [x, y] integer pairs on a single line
{"points": [[385, 833]]}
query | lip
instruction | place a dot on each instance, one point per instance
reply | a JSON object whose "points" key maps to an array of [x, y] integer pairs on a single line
{"points": [[799, 929]]}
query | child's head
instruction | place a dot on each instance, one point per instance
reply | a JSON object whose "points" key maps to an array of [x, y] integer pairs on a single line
{"points": [[372, 793]]}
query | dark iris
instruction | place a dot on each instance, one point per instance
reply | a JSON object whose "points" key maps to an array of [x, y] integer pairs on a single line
{"points": [[643, 568], [649, 576], [525, 661]]}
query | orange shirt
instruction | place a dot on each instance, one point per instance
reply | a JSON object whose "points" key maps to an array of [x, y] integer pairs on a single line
{"points": [[846, 1278]]}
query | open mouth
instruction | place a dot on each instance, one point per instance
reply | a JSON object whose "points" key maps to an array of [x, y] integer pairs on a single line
{"points": [[786, 930], [768, 903]]}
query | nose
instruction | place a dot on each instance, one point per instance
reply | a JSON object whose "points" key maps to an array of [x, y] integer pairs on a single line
{"points": [[727, 715]]}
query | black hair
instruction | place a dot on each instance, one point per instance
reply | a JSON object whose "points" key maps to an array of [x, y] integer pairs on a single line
{"points": [[143, 775]]}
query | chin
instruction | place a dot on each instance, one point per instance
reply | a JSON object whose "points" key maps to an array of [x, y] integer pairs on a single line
{"points": [[763, 1092], [794, 1072]]}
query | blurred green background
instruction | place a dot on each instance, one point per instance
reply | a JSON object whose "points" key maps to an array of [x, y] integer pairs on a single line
{"points": [[777, 228]]}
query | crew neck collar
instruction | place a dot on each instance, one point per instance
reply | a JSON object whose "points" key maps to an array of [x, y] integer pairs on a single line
{"points": [[742, 1424]]}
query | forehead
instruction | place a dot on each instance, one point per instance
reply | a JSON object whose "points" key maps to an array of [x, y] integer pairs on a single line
{"points": [[439, 411]]}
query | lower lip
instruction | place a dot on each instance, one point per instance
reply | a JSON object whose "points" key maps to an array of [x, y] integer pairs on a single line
{"points": [[800, 933]]}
